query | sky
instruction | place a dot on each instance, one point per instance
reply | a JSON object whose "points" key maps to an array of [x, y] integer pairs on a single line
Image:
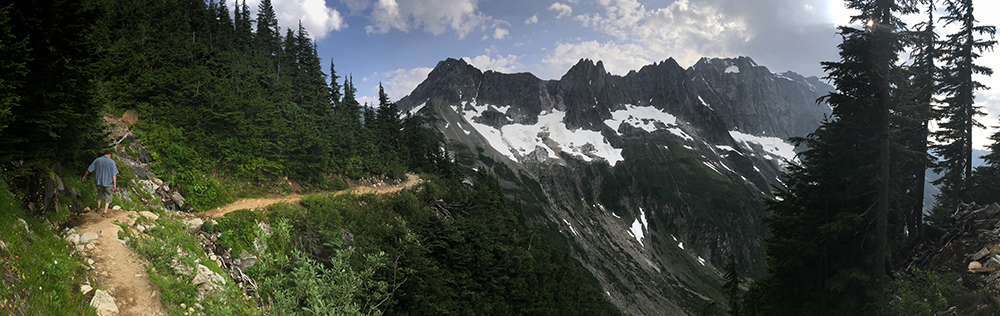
{"points": [[398, 42]]}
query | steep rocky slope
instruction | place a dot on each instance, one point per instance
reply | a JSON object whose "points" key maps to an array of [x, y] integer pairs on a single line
{"points": [[650, 179]]}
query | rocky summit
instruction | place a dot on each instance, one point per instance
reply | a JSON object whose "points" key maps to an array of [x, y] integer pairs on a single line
{"points": [[650, 180]]}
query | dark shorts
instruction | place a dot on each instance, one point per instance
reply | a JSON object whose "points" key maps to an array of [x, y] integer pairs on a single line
{"points": [[104, 193]]}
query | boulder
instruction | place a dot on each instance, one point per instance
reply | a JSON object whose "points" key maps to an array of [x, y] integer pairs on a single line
{"points": [[178, 199], [193, 225], [104, 303], [246, 260], [73, 239], [89, 237], [116, 207]]}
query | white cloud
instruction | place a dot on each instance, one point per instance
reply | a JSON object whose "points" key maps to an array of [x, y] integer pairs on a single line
{"points": [[504, 64], [532, 20], [500, 33], [618, 59], [561, 10], [318, 19], [434, 16], [400, 82]]}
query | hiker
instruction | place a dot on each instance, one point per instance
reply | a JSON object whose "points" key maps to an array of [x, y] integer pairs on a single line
{"points": [[105, 178]]}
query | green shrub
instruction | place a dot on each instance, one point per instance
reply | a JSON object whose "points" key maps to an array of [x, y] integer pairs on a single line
{"points": [[239, 228]]}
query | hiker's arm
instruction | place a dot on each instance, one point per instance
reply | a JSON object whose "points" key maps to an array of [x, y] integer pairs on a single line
{"points": [[85, 176], [115, 185]]}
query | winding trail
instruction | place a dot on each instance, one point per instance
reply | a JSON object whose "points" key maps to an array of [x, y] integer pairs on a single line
{"points": [[122, 272]]}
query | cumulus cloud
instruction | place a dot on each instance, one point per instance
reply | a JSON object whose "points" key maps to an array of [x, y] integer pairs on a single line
{"points": [[434, 16], [318, 19], [400, 82], [505, 64], [618, 58], [500, 33], [532, 20], [561, 10], [690, 29]]}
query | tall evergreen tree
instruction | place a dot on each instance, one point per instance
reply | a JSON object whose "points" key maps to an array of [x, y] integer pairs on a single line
{"points": [[829, 229], [732, 286], [917, 85], [959, 52]]}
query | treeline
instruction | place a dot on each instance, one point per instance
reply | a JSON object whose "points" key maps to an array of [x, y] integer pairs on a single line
{"points": [[219, 93], [856, 201], [242, 96]]}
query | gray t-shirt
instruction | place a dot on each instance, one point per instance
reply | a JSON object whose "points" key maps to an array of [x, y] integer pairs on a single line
{"points": [[103, 169]]}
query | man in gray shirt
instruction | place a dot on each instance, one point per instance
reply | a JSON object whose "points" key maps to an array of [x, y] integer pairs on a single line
{"points": [[105, 177]]}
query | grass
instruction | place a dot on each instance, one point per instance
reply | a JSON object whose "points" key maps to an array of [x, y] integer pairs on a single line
{"points": [[38, 274]]}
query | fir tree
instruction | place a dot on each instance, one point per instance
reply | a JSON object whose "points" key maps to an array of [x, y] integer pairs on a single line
{"points": [[829, 229], [959, 112], [732, 286]]}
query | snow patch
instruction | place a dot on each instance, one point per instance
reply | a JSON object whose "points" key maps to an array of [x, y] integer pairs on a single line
{"points": [[637, 227], [570, 227], [416, 109], [701, 260], [705, 103], [733, 70], [517, 140], [772, 145], [725, 147]]}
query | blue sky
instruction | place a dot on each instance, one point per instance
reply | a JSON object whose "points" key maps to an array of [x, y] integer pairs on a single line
{"points": [[397, 42]]}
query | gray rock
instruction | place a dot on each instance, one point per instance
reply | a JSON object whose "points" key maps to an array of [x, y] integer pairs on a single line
{"points": [[116, 207], [139, 171], [246, 260], [148, 186], [104, 303], [193, 225], [73, 239], [177, 198], [181, 269], [88, 238], [86, 289]]}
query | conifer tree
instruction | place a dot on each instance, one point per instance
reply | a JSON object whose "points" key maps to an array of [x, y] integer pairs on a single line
{"points": [[917, 85], [829, 229], [732, 286], [959, 52]]}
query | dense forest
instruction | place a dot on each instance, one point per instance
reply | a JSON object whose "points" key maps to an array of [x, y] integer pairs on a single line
{"points": [[231, 104]]}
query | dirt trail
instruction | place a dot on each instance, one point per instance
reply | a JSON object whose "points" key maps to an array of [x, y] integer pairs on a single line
{"points": [[411, 179], [122, 271], [117, 268]]}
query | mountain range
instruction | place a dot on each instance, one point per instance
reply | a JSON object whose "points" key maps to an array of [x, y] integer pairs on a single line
{"points": [[649, 180]]}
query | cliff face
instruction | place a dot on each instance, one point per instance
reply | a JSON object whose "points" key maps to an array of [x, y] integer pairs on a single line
{"points": [[650, 179]]}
